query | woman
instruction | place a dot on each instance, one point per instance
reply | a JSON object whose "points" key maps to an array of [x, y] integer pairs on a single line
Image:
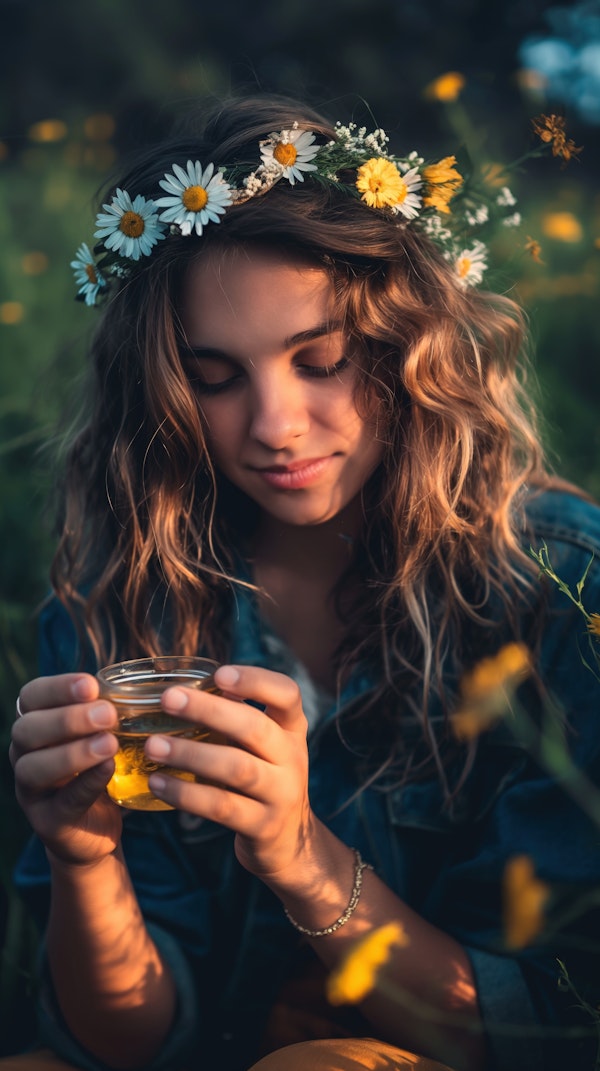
{"points": [[309, 457]]}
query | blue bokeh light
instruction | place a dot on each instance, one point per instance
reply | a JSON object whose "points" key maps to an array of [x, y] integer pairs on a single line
{"points": [[568, 58]]}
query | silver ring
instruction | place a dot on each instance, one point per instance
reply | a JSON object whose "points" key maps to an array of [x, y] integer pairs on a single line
{"points": [[20, 713]]}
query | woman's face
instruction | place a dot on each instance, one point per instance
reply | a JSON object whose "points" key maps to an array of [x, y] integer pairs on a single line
{"points": [[268, 362]]}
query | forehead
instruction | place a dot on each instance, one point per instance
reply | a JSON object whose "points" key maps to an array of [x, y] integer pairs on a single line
{"points": [[255, 295]]}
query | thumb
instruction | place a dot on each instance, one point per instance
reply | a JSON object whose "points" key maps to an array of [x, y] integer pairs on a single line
{"points": [[76, 797]]}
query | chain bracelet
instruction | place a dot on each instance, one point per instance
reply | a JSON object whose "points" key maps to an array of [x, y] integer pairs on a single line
{"points": [[359, 867]]}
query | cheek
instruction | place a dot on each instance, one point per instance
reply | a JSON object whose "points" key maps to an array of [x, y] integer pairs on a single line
{"points": [[360, 425], [338, 409], [368, 437], [220, 445], [222, 422]]}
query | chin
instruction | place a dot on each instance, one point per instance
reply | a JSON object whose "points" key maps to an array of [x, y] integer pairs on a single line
{"points": [[302, 516]]}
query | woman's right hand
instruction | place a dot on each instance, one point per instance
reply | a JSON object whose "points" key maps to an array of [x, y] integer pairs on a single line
{"points": [[62, 754]]}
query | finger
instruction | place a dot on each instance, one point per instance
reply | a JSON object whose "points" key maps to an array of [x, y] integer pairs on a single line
{"points": [[38, 772], [216, 804], [239, 723], [61, 690], [47, 727], [279, 694], [231, 767]]}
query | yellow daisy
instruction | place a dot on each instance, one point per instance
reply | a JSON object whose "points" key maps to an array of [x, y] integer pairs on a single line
{"points": [[382, 186]]}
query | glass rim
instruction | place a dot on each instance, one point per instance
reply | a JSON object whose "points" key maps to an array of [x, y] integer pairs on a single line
{"points": [[123, 678]]}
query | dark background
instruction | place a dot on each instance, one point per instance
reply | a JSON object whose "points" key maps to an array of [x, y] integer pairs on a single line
{"points": [[83, 83]]}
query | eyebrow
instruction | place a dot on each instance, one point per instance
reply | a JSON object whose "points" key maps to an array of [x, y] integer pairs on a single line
{"points": [[312, 333]]}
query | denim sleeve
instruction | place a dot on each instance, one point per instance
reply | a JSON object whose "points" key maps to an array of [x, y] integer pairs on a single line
{"points": [[177, 1047], [505, 999]]}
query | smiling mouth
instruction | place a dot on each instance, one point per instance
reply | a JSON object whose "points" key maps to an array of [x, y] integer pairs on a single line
{"points": [[298, 474]]}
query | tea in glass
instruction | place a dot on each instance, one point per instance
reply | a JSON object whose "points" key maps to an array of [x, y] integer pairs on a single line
{"points": [[135, 689]]}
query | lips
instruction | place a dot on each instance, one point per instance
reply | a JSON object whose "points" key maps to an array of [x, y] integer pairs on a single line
{"points": [[296, 475]]}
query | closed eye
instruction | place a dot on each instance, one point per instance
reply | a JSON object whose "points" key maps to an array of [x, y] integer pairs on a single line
{"points": [[311, 371], [210, 373], [203, 387], [325, 371]]}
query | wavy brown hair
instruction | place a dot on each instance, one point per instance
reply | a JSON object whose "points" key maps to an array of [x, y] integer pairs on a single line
{"points": [[145, 560]]}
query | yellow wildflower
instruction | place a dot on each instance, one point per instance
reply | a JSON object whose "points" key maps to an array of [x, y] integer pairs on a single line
{"points": [[356, 976], [48, 130], [524, 898], [487, 689], [443, 181], [99, 127], [35, 263], [379, 183], [551, 130], [562, 226], [447, 87], [534, 249], [594, 624], [494, 175], [11, 312], [382, 186]]}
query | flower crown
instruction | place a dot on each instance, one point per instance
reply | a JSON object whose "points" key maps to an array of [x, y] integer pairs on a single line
{"points": [[431, 195]]}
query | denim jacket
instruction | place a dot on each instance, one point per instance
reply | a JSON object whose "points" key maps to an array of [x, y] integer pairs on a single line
{"points": [[225, 935]]}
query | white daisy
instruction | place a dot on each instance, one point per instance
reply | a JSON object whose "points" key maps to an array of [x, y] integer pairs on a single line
{"points": [[89, 280], [130, 228], [196, 197], [410, 201], [470, 264], [292, 151]]}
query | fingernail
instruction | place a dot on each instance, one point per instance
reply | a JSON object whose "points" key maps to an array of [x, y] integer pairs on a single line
{"points": [[227, 675], [175, 699], [103, 745], [101, 715], [156, 782], [82, 689], [158, 746]]}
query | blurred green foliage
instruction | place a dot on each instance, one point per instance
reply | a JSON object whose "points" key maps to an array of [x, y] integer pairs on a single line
{"points": [[130, 66]]}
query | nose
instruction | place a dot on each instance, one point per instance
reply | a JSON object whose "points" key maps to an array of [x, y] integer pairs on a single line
{"points": [[279, 411]]}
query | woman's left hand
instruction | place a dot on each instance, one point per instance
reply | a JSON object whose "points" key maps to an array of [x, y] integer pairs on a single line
{"points": [[259, 780]]}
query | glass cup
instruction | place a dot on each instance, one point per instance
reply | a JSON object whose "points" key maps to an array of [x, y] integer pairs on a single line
{"points": [[135, 689]]}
